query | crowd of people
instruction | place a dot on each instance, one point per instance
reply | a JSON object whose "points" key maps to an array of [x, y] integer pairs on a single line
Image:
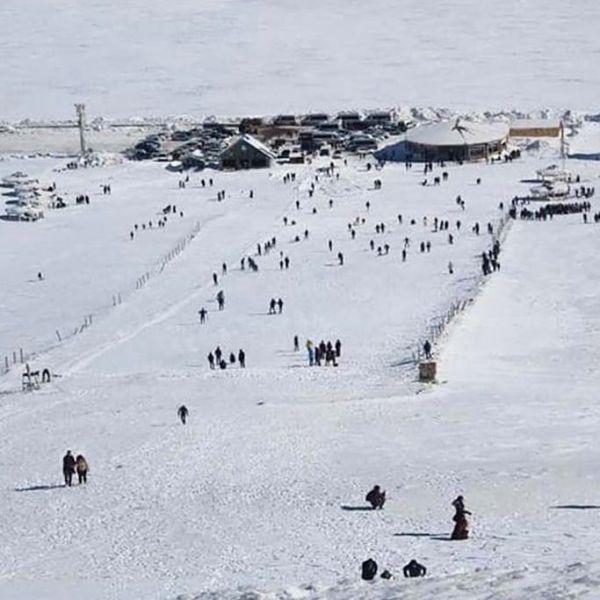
{"points": [[550, 210], [160, 223], [324, 353], [460, 531], [218, 359]]}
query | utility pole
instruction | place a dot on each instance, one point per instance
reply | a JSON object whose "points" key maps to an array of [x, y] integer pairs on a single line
{"points": [[80, 110], [563, 150]]}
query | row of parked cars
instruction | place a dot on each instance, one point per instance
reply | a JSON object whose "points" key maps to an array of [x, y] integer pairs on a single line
{"points": [[201, 146]]}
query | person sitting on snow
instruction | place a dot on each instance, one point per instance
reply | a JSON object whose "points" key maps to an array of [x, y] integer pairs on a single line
{"points": [[376, 498]]}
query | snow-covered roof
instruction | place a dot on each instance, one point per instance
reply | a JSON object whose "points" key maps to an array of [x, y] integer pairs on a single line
{"points": [[252, 141], [456, 133], [535, 124]]}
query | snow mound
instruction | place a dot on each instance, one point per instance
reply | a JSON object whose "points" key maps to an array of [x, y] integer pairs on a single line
{"points": [[567, 582]]}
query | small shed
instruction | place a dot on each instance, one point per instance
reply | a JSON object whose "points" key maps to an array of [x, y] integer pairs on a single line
{"points": [[529, 128], [246, 152]]}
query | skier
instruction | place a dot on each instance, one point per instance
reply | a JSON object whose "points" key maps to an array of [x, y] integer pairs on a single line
{"points": [[211, 360], [280, 305], [182, 413], [215, 279], [224, 269], [82, 468], [414, 569], [272, 305], [340, 258], [242, 358], [376, 498], [218, 353], [296, 344], [338, 348], [202, 313], [330, 245], [68, 468]]}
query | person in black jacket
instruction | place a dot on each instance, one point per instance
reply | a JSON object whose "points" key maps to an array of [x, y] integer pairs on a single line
{"points": [[414, 569], [182, 413], [376, 498], [68, 468]]}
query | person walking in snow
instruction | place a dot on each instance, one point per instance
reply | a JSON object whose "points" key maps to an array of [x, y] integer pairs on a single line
{"points": [[68, 468], [280, 305], [242, 358], [221, 299], [211, 360], [272, 305], [461, 524], [318, 356], [182, 413], [81, 467], [338, 348], [296, 344], [311, 352], [427, 349], [202, 313]]}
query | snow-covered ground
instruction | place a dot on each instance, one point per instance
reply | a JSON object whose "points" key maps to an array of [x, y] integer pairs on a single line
{"points": [[238, 57], [263, 489]]}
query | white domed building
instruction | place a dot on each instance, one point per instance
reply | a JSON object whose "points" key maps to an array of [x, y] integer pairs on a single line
{"points": [[450, 141], [456, 141]]}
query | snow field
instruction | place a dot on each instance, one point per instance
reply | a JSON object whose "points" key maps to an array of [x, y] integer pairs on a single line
{"points": [[251, 492], [237, 57]]}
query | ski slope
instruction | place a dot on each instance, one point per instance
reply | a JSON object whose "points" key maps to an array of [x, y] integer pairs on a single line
{"points": [[259, 495], [235, 57]]}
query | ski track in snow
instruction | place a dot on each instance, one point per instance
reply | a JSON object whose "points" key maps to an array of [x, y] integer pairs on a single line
{"points": [[246, 501]]}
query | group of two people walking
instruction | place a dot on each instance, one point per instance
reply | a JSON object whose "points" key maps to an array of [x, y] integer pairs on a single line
{"points": [[72, 465]]}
